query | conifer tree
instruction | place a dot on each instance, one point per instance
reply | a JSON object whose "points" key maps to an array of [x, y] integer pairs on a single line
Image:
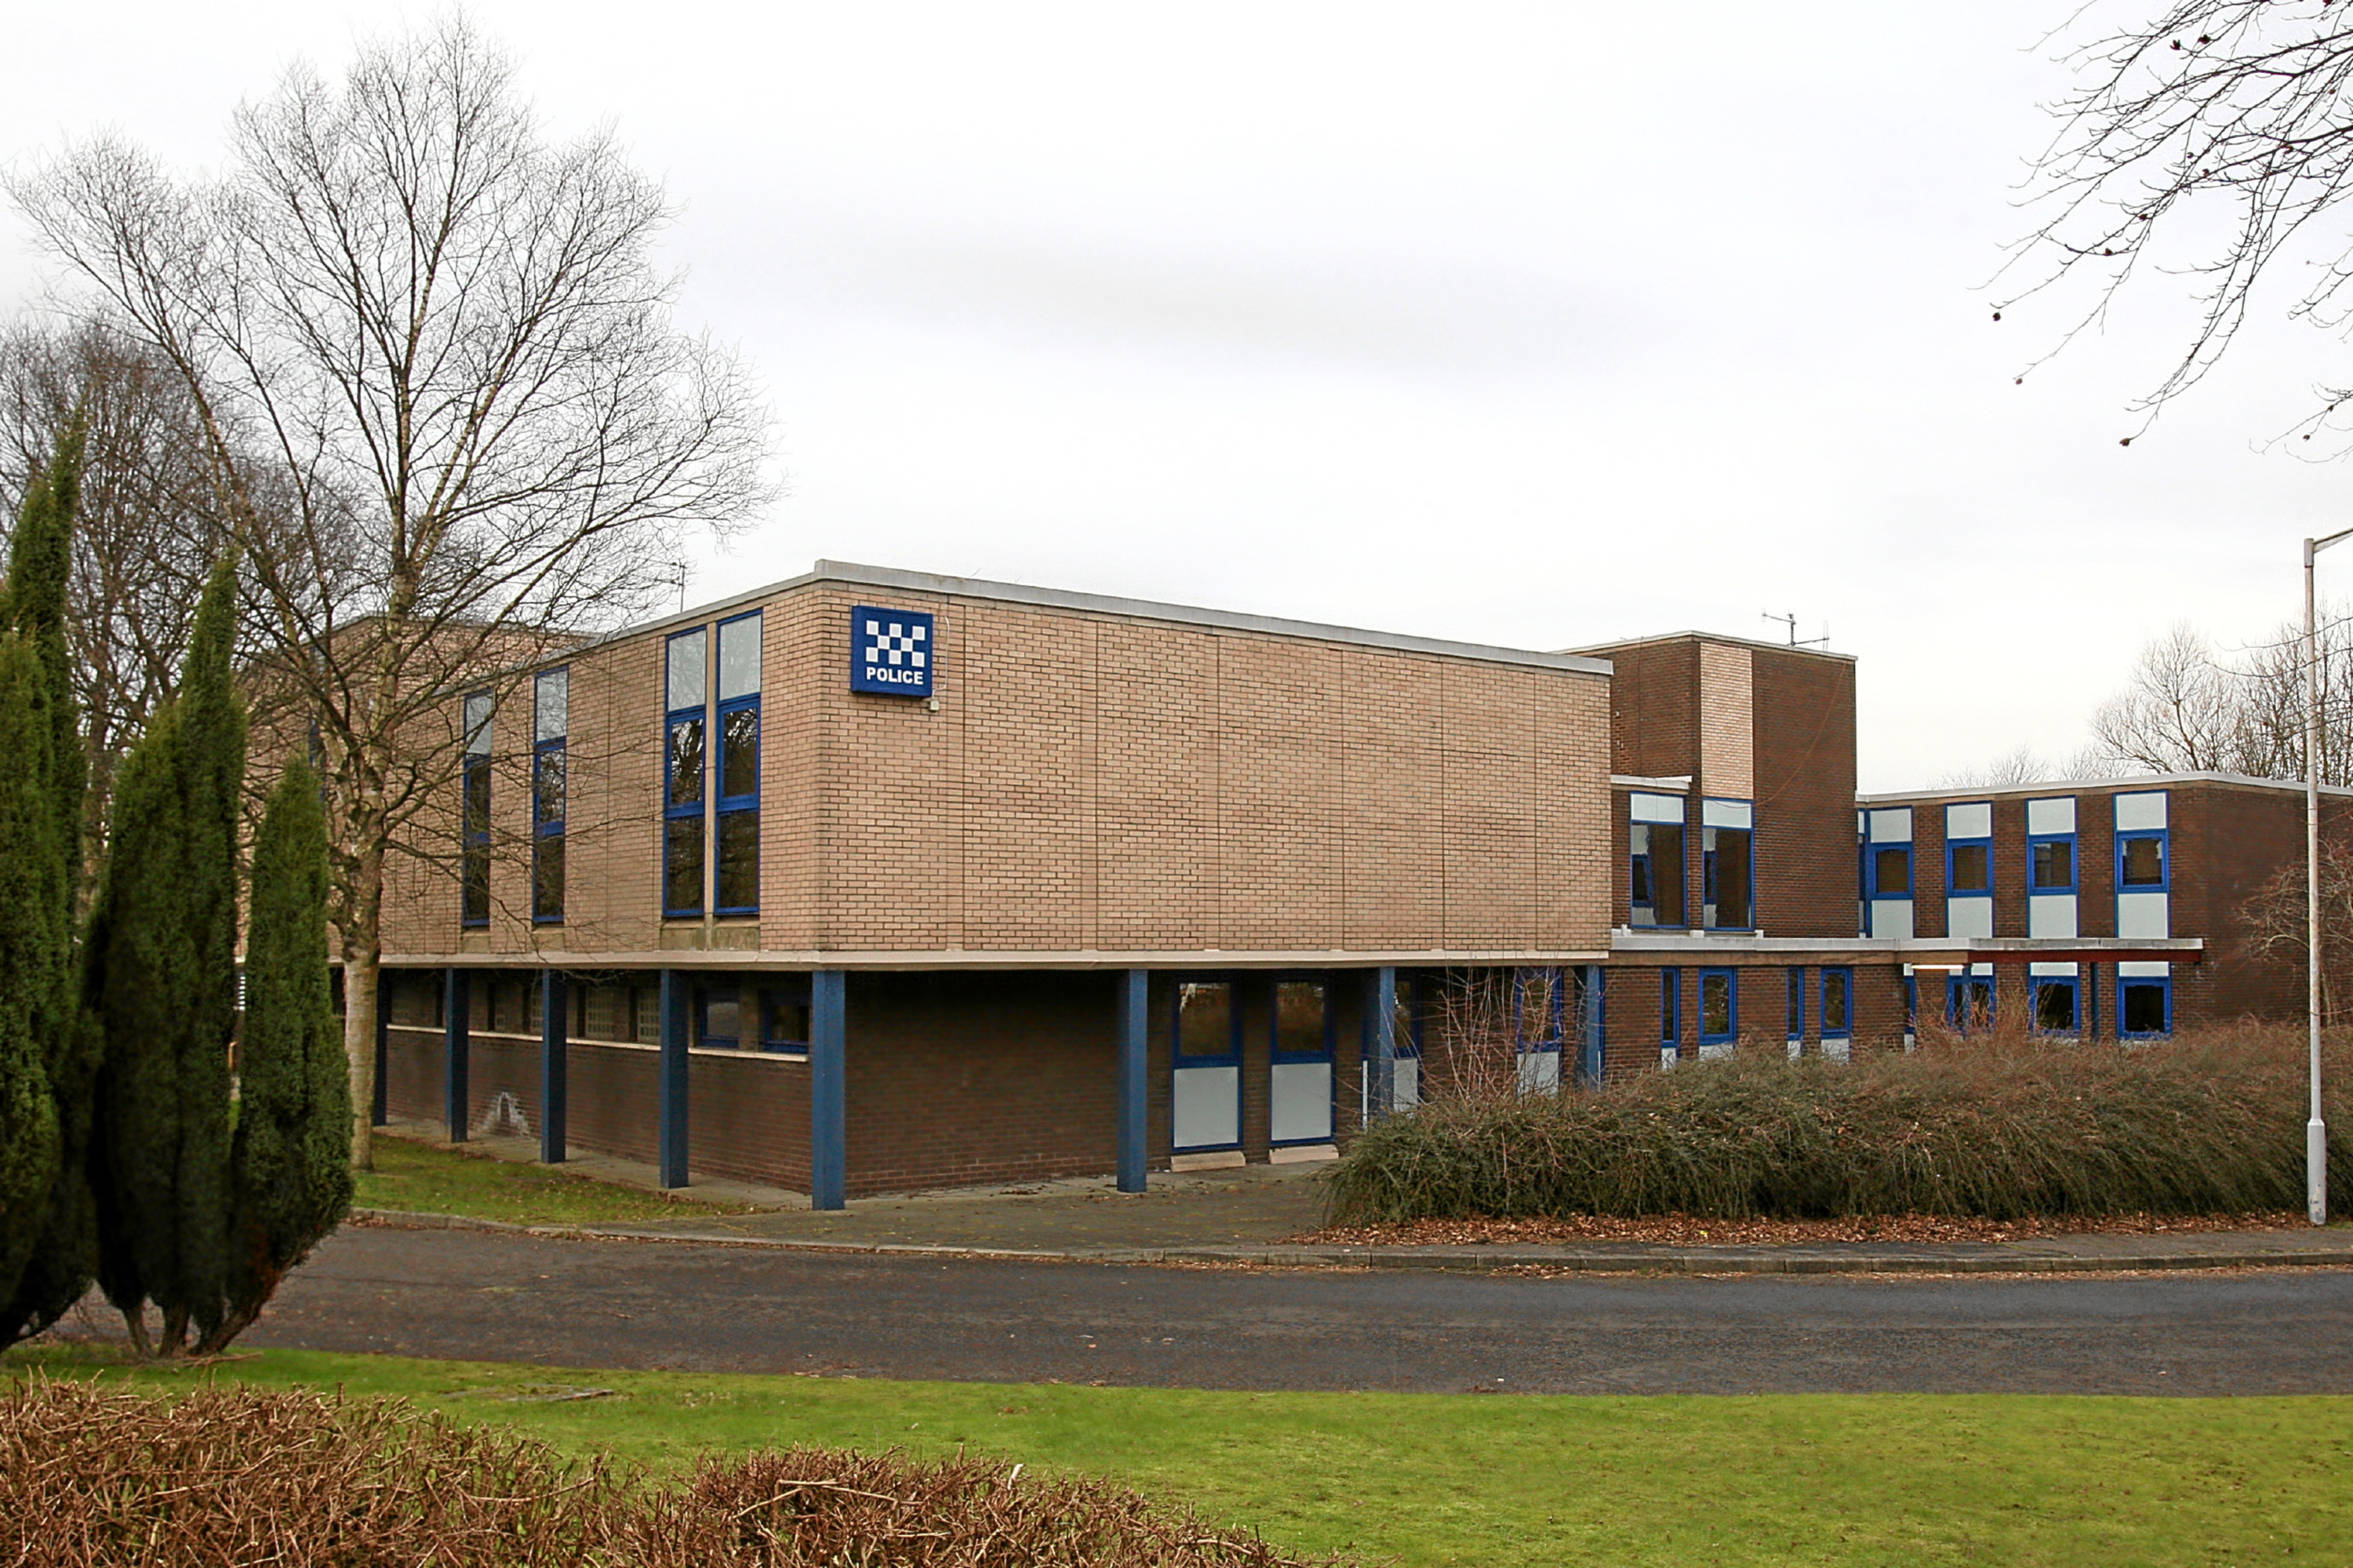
{"points": [[159, 977], [62, 1235], [290, 1165], [28, 939]]}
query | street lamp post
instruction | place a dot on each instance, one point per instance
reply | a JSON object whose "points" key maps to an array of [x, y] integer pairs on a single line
{"points": [[2315, 1131]]}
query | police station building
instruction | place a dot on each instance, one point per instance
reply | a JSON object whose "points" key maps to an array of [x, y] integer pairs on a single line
{"points": [[876, 881]]}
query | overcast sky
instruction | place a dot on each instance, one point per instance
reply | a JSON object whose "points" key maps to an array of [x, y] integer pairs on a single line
{"points": [[1534, 326]]}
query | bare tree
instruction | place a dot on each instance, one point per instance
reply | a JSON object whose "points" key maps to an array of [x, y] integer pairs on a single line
{"points": [[2226, 124], [147, 531], [484, 435], [2277, 922], [2189, 709]]}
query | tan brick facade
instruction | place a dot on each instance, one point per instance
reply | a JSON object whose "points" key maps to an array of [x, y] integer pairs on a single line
{"points": [[1091, 781]]}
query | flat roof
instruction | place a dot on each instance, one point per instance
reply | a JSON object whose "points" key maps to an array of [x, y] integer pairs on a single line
{"points": [[1106, 604], [2062, 786], [1765, 643]]}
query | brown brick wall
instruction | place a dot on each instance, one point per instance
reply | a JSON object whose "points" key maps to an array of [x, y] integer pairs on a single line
{"points": [[1805, 794]]}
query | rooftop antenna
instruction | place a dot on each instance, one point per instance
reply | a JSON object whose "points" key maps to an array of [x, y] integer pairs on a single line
{"points": [[677, 574], [1791, 620]]}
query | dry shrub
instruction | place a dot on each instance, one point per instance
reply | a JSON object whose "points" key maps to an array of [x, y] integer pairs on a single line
{"points": [[233, 1478], [2001, 1129]]}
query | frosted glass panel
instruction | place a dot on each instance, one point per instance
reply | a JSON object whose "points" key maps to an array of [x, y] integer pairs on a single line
{"points": [[1968, 917], [2050, 915], [1300, 1109], [1208, 1107], [2144, 915]]}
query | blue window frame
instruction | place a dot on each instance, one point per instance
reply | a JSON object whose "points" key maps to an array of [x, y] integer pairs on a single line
{"points": [[1299, 1025], [2144, 1007], [1205, 1023], [1205, 1029], [1797, 1003], [1969, 1002], [1838, 1003], [1671, 1013], [2144, 860], [474, 828], [720, 1026], [1719, 1006], [1968, 867], [737, 882], [551, 706], [1654, 879], [685, 763], [2051, 862], [2053, 1004], [1728, 864]]}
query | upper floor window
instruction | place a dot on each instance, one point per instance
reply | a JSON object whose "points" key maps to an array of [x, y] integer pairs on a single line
{"points": [[474, 830], [1655, 851], [551, 721], [738, 882], [1968, 848], [1727, 842], [2143, 846], [2050, 845], [686, 727]]}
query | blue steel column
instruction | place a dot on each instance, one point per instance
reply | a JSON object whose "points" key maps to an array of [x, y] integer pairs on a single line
{"points": [[457, 1005], [380, 1109], [675, 990], [1134, 987], [1380, 1038], [555, 1064], [828, 1102], [1589, 1029]]}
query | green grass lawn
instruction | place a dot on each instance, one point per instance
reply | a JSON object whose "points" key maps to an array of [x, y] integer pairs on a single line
{"points": [[422, 1179], [1511, 1480]]}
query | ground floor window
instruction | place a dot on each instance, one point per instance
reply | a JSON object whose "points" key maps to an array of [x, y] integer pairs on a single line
{"points": [[2056, 1009], [1969, 1002], [1205, 1062], [1838, 1003], [2144, 1008], [1719, 1010], [1671, 1016]]}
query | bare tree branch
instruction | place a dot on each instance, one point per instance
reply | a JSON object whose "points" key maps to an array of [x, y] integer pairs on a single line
{"points": [[447, 415]]}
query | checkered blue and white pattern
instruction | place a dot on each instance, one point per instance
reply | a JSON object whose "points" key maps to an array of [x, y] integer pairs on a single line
{"points": [[892, 650]]}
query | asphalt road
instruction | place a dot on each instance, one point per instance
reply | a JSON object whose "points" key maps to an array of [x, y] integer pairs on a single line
{"points": [[485, 1295]]}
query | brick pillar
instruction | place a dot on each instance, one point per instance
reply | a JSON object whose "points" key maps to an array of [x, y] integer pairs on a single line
{"points": [[457, 1035], [1379, 1052], [676, 989], [1134, 990], [555, 1064], [828, 1110]]}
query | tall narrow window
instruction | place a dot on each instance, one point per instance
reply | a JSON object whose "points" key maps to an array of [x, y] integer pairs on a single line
{"points": [[551, 703], [1726, 849], [474, 848], [739, 764], [1719, 1010], [686, 739], [1655, 841], [1797, 1026], [1671, 1016], [1838, 1003]]}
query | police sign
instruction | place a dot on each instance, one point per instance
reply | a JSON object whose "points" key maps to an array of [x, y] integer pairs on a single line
{"points": [[892, 651]]}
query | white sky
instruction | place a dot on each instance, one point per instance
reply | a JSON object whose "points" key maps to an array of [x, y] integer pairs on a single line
{"points": [[1536, 325]]}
